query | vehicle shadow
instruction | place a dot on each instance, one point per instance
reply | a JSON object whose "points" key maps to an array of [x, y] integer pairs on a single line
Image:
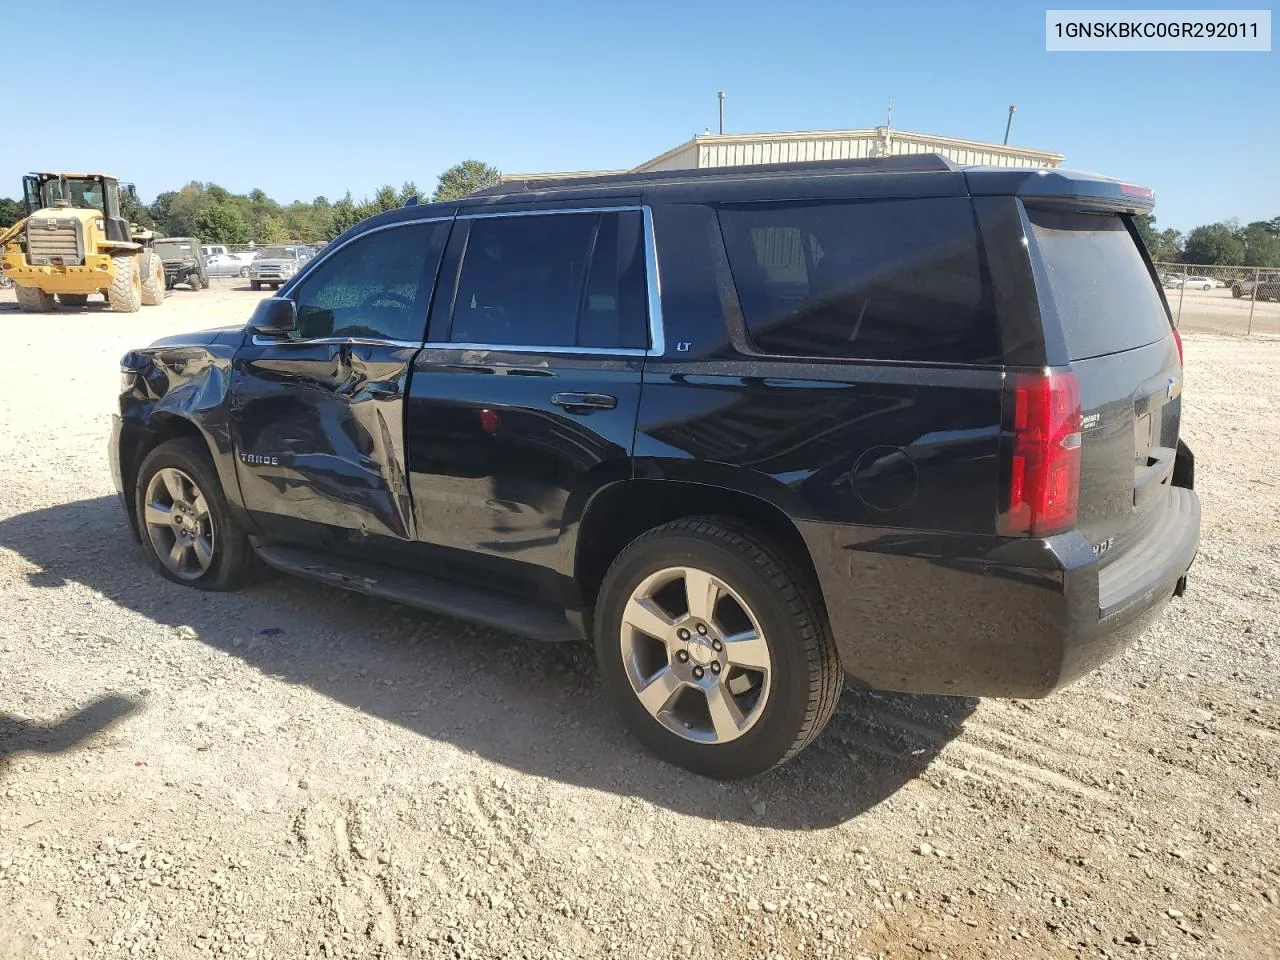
{"points": [[533, 707], [22, 735]]}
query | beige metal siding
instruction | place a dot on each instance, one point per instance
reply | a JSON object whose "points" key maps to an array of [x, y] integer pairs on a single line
{"points": [[734, 153], [748, 149], [683, 157]]}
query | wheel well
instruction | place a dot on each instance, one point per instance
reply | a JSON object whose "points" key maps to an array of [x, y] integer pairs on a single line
{"points": [[625, 511], [136, 441]]}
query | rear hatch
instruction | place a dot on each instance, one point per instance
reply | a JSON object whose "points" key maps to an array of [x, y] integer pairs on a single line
{"points": [[1127, 364]]}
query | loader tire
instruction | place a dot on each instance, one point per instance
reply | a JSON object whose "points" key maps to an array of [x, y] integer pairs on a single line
{"points": [[34, 300], [125, 292], [152, 279]]}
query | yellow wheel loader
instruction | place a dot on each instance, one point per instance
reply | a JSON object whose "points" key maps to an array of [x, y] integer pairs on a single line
{"points": [[73, 242]]}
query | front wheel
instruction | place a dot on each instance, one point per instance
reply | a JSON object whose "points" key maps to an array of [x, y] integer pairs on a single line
{"points": [[255, 284], [125, 292], [716, 648], [244, 272], [186, 525]]}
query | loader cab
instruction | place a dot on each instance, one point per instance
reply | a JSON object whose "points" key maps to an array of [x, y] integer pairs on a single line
{"points": [[80, 191]]}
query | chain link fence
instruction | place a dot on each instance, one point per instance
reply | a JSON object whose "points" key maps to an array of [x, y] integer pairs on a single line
{"points": [[1236, 301]]}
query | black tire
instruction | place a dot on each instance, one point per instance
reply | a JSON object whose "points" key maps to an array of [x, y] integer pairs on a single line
{"points": [[73, 299], [153, 285], [34, 300], [244, 271], [125, 292], [233, 557], [255, 284], [1235, 291], [805, 674]]}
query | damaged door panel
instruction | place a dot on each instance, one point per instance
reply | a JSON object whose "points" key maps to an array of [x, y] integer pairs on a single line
{"points": [[318, 410], [319, 436]]}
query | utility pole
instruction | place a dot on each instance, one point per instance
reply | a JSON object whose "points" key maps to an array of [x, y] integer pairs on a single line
{"points": [[720, 97], [888, 121], [1009, 126]]}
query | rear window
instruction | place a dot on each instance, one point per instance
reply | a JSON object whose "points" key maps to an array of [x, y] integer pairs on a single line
{"points": [[1105, 297], [875, 280]]}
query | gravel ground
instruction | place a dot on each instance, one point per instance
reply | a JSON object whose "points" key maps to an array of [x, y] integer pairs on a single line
{"points": [[291, 771]]}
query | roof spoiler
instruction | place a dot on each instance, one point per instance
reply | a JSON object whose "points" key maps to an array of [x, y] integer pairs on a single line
{"points": [[1062, 186]]}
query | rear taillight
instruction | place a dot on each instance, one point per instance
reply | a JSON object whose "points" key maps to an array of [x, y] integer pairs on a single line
{"points": [[1044, 477], [1177, 338]]}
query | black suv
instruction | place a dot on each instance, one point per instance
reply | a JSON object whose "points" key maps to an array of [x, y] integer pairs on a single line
{"points": [[752, 430]]}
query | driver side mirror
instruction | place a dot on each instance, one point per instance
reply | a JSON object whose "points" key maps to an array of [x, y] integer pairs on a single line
{"points": [[274, 317]]}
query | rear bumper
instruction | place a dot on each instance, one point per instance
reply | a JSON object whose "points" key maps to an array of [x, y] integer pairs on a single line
{"points": [[974, 615]]}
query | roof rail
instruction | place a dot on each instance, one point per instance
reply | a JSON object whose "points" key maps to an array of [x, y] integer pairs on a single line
{"points": [[907, 163]]}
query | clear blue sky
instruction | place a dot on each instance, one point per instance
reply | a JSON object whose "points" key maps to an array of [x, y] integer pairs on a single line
{"points": [[303, 99]]}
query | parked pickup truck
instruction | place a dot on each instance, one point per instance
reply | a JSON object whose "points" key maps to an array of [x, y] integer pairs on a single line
{"points": [[877, 421], [1267, 288]]}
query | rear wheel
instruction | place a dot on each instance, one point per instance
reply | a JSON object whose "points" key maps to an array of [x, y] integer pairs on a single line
{"points": [[244, 271], [187, 528], [34, 300], [716, 648], [73, 299], [152, 278], [125, 292]]}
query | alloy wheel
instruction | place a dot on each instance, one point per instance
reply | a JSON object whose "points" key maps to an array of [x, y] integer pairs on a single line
{"points": [[695, 655], [178, 523]]}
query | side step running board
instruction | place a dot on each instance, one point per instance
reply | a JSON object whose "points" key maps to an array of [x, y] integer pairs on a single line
{"points": [[498, 610]]}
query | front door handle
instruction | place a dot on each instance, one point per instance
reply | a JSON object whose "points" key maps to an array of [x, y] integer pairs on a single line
{"points": [[584, 402]]}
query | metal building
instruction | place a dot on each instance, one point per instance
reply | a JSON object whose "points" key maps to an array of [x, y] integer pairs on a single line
{"points": [[738, 149]]}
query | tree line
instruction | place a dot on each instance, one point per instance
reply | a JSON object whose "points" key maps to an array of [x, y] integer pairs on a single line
{"points": [[1227, 243], [216, 215]]}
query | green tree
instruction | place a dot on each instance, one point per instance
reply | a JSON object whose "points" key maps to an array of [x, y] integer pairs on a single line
{"points": [[133, 210], [1261, 245], [222, 223], [464, 178], [385, 199], [1165, 246], [1214, 243], [11, 211], [347, 213], [275, 231], [408, 191]]}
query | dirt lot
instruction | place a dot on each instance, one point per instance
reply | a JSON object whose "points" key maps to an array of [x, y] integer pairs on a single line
{"points": [[295, 772], [1216, 311]]}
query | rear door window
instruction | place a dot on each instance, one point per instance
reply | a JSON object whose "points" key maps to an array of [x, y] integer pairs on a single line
{"points": [[875, 280], [1105, 297]]}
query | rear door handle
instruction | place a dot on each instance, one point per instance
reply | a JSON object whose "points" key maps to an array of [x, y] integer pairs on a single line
{"points": [[584, 402]]}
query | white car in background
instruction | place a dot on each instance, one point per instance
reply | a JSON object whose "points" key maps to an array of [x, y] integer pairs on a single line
{"points": [[226, 264], [1197, 283]]}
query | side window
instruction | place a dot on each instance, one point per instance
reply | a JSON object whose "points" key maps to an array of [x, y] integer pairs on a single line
{"points": [[556, 280], [378, 285], [877, 280]]}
